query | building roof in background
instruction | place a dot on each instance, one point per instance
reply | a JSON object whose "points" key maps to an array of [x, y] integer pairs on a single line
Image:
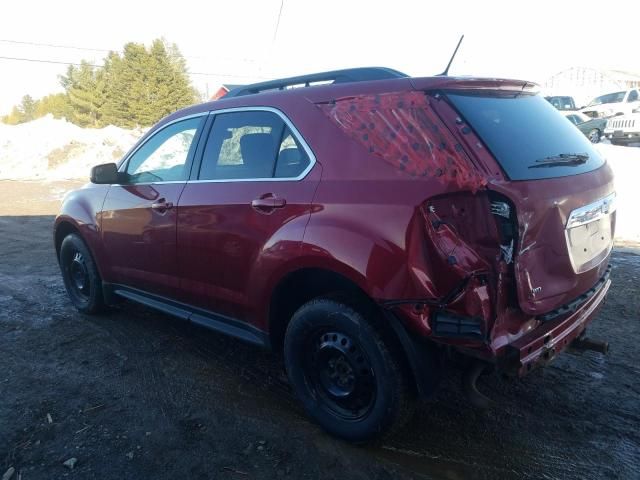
{"points": [[589, 76], [223, 90], [230, 86], [586, 83]]}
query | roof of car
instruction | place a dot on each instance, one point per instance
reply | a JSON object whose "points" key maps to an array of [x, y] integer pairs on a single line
{"points": [[344, 83], [351, 75]]}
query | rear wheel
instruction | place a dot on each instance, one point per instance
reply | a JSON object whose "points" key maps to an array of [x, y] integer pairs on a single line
{"points": [[344, 373], [80, 275], [594, 135]]}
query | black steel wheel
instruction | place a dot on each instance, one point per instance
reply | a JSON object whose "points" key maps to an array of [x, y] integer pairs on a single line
{"points": [[348, 378], [341, 373], [80, 275]]}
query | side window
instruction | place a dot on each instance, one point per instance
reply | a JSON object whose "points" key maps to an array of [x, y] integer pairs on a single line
{"points": [[292, 158], [633, 96], [242, 145], [163, 157]]}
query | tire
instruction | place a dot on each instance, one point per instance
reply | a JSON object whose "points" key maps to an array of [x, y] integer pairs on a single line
{"points": [[594, 136], [80, 275], [349, 380]]}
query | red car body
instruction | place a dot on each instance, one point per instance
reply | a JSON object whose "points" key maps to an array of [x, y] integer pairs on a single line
{"points": [[413, 233]]}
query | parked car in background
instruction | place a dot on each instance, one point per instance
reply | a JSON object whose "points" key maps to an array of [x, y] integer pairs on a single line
{"points": [[624, 129], [593, 128], [562, 102], [372, 227], [616, 103]]}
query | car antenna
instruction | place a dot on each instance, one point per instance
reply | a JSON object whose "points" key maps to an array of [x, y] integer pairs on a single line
{"points": [[446, 70]]}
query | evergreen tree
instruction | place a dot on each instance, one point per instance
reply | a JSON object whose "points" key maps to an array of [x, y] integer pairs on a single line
{"points": [[84, 86], [13, 118], [25, 112], [55, 104], [135, 88], [172, 89], [118, 78], [145, 85], [28, 108]]}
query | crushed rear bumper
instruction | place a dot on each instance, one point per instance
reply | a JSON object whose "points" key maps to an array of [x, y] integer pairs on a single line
{"points": [[543, 344]]}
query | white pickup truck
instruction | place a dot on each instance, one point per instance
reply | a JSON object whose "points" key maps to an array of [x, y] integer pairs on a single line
{"points": [[624, 129], [611, 104]]}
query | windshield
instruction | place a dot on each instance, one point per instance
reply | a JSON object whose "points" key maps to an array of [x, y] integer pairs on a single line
{"points": [[521, 130], [616, 97]]}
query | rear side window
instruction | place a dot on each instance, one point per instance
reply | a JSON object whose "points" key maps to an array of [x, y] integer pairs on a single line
{"points": [[251, 145], [633, 96], [524, 132]]}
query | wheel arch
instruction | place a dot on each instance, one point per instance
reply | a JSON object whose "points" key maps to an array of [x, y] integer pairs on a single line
{"points": [[302, 285], [65, 226], [62, 229], [297, 288]]}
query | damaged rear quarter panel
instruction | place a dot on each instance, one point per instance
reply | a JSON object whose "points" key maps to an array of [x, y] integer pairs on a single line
{"points": [[403, 130], [383, 231]]}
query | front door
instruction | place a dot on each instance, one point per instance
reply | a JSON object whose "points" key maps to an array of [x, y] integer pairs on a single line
{"points": [[247, 209], [139, 216]]}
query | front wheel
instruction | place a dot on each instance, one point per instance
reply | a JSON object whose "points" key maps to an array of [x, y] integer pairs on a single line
{"points": [[346, 376], [594, 135], [80, 275]]}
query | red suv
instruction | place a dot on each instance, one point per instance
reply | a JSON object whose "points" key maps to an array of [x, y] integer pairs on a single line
{"points": [[369, 225]]}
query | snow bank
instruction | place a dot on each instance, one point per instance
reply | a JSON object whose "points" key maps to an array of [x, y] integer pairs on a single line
{"points": [[625, 162], [51, 149]]}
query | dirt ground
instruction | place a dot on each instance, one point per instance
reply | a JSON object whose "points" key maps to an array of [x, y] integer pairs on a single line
{"points": [[136, 394]]}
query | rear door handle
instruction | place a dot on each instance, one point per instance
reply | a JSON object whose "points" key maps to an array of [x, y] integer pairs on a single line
{"points": [[162, 205], [268, 202]]}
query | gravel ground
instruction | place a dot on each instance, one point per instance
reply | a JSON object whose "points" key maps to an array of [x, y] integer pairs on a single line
{"points": [[137, 394]]}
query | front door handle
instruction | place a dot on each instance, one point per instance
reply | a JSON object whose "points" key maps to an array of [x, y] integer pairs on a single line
{"points": [[267, 203], [161, 205]]}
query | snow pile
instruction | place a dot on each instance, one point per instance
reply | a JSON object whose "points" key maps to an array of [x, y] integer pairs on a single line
{"points": [[625, 162], [51, 149]]}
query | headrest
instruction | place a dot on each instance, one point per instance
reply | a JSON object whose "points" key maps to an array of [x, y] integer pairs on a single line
{"points": [[257, 150]]}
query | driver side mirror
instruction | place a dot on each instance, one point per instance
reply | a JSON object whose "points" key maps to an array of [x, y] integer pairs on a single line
{"points": [[106, 173]]}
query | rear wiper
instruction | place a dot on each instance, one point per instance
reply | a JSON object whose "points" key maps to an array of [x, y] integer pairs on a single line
{"points": [[563, 159]]}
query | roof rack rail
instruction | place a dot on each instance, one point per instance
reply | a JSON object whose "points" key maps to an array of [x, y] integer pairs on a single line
{"points": [[350, 75]]}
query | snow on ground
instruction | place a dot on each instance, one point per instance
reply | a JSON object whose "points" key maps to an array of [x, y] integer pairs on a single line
{"points": [[625, 162], [49, 149]]}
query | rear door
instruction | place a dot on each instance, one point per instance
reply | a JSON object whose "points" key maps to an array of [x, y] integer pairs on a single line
{"points": [[139, 216], [245, 211]]}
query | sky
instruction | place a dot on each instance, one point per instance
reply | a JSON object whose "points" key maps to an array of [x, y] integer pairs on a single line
{"points": [[241, 41]]}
